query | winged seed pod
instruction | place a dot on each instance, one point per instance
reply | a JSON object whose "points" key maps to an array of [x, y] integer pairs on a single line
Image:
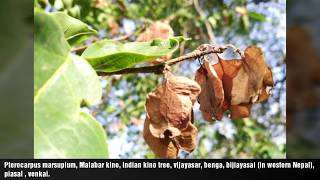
{"points": [[249, 85], [169, 147], [211, 97], [168, 127], [244, 82]]}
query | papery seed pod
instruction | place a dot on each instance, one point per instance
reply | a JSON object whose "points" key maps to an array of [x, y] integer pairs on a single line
{"points": [[187, 139], [171, 103], [252, 79], [161, 147], [234, 85], [169, 115], [240, 111], [211, 97]]}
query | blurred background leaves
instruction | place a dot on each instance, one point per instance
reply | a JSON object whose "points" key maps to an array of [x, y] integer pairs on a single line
{"points": [[16, 79], [303, 60], [240, 22]]}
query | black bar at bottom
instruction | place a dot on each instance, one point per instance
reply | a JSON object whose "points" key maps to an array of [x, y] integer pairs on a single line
{"points": [[154, 169]]}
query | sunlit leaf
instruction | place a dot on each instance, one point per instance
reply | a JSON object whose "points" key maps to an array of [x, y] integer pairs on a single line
{"points": [[62, 82], [74, 29], [257, 16], [109, 55]]}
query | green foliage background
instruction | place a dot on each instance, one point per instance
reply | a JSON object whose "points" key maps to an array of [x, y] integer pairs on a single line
{"points": [[121, 110]]}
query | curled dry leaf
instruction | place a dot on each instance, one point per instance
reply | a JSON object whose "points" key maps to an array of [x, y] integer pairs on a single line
{"points": [[169, 147], [168, 126], [162, 147], [187, 140], [159, 29], [211, 97], [251, 81], [234, 85], [240, 111]]}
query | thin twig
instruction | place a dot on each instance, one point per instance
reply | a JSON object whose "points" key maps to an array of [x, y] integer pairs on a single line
{"points": [[178, 12], [202, 15], [80, 49]]}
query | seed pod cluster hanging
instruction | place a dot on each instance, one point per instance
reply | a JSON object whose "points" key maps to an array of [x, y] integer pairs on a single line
{"points": [[233, 85], [220, 85]]}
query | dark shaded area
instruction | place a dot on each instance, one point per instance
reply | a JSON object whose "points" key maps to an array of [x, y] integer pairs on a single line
{"points": [[16, 79], [303, 60]]}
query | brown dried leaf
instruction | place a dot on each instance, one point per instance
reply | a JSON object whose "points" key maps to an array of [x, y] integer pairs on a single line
{"points": [[219, 70], [187, 140], [234, 85], [251, 81], [169, 147], [211, 98], [240, 111], [171, 103], [169, 116], [230, 69], [162, 147], [240, 91]]}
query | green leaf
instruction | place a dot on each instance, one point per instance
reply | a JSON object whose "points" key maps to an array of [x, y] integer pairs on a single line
{"points": [[213, 21], [62, 82], [74, 29], [109, 55], [245, 23], [58, 4], [257, 16]]}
